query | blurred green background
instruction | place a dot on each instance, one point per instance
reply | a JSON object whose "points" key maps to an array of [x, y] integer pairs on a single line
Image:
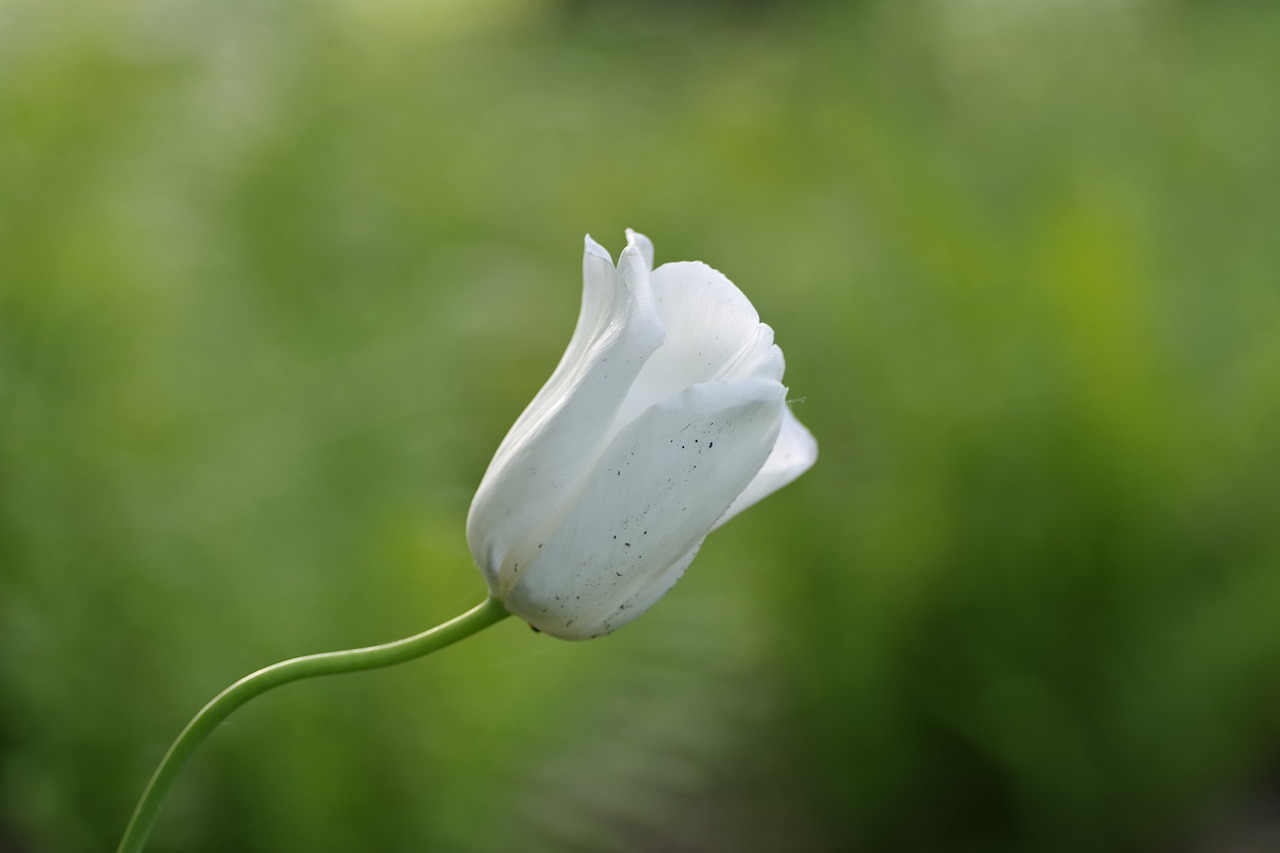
{"points": [[275, 278]]}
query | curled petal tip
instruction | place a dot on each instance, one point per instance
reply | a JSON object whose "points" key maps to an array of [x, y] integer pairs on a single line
{"points": [[643, 244], [594, 248]]}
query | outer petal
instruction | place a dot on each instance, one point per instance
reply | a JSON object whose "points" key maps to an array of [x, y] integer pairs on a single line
{"points": [[652, 497], [793, 454], [713, 332], [555, 441]]}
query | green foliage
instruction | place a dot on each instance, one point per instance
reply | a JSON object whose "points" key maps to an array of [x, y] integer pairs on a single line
{"points": [[275, 278]]}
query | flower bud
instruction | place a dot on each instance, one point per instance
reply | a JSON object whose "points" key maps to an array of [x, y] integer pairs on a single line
{"points": [[665, 417]]}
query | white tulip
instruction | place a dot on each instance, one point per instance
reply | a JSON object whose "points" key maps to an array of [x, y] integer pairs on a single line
{"points": [[665, 417]]}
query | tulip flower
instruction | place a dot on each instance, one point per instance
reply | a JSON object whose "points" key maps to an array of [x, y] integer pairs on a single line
{"points": [[665, 417]]}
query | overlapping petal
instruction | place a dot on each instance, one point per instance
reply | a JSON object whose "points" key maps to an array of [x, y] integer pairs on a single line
{"points": [[794, 453], [644, 244], [653, 495], [712, 332]]}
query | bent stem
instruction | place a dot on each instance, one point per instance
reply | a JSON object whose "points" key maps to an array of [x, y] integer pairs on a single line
{"points": [[294, 669]]}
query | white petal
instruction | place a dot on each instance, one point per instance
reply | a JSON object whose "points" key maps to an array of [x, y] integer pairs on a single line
{"points": [[601, 299], [794, 453], [713, 332], [554, 442], [643, 243], [655, 493], [646, 596]]}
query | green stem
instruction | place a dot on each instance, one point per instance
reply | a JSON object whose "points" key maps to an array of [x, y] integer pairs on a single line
{"points": [[295, 669]]}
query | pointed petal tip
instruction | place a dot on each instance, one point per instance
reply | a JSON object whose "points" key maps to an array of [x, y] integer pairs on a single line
{"points": [[591, 247], [643, 243], [633, 261]]}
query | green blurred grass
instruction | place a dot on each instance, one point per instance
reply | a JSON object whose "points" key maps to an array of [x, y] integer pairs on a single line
{"points": [[275, 279]]}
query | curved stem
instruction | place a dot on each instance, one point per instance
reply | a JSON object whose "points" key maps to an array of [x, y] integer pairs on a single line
{"points": [[294, 669]]}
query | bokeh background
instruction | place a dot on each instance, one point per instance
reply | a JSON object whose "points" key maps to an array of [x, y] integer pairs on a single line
{"points": [[275, 278]]}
